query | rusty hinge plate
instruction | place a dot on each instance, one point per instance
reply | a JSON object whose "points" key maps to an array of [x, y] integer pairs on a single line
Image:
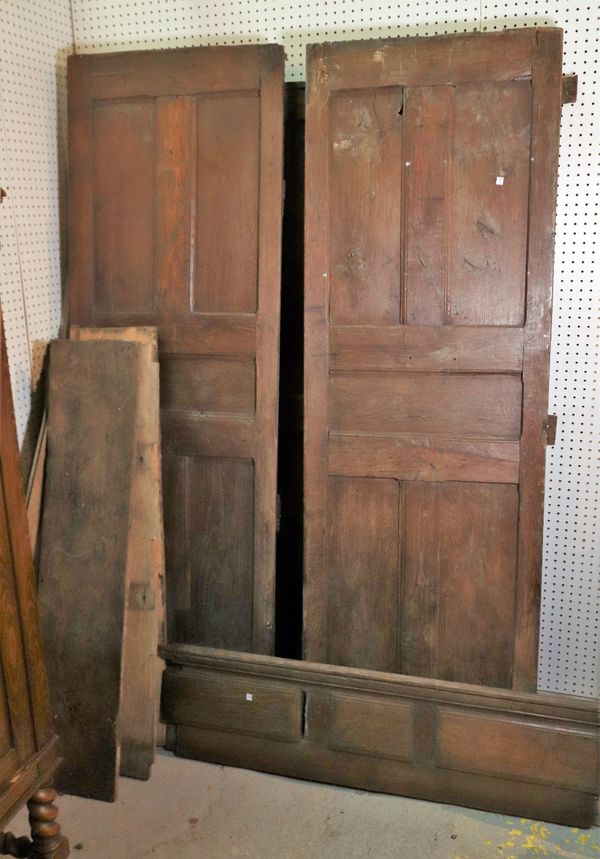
{"points": [[550, 429], [569, 89]]}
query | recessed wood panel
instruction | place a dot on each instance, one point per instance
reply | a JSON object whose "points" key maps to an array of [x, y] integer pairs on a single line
{"points": [[227, 204], [366, 206], [458, 581], [371, 726], [424, 458], [425, 348], [454, 404], [428, 166], [124, 206], [175, 126], [487, 225], [362, 565], [248, 706], [220, 551], [516, 750], [208, 384]]}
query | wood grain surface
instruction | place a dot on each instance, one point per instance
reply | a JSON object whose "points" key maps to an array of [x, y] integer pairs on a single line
{"points": [[430, 169], [178, 225]]}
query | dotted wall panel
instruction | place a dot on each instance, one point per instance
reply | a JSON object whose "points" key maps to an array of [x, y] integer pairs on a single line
{"points": [[570, 602], [37, 36]]}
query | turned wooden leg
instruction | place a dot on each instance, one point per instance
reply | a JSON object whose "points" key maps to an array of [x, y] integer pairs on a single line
{"points": [[10, 845], [46, 839]]}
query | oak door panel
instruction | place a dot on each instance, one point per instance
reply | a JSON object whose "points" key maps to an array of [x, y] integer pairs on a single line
{"points": [[362, 557], [179, 226], [431, 170], [458, 574]]}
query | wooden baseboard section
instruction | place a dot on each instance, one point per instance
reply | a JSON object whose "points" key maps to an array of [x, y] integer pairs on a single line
{"points": [[525, 754]]}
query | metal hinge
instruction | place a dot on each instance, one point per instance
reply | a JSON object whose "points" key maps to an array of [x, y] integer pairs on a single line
{"points": [[550, 429], [569, 89]]}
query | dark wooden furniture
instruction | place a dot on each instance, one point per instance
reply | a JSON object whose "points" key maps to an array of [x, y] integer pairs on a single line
{"points": [[29, 752], [175, 202], [431, 173]]}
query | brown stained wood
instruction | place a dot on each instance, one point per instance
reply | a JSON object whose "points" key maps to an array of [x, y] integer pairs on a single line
{"points": [[449, 528], [424, 457], [429, 62], [546, 83], [144, 611], [176, 120], [223, 578], [28, 746], [21, 650], [362, 535], [187, 71], [208, 384], [516, 749], [35, 485], [84, 551], [316, 357], [209, 435], [486, 406], [487, 217], [516, 753], [428, 118], [227, 225], [425, 348], [246, 706], [365, 208], [201, 169], [436, 379], [391, 733], [569, 88], [124, 241]]}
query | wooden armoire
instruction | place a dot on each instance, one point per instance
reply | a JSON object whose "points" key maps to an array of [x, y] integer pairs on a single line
{"points": [[29, 752]]}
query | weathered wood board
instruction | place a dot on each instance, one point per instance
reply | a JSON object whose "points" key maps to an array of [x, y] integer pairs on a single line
{"points": [[84, 551], [431, 173], [144, 611]]}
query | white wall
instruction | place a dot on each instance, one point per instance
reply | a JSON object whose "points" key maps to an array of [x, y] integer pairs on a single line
{"points": [[39, 34]]}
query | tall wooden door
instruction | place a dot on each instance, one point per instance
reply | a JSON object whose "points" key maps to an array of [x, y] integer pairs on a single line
{"points": [[431, 171], [175, 221]]}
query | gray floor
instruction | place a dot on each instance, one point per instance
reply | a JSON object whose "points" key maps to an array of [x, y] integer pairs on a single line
{"points": [[191, 809]]}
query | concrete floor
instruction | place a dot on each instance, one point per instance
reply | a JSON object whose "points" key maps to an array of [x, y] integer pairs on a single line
{"points": [[191, 809]]}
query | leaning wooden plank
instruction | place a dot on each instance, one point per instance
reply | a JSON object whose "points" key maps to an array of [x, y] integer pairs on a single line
{"points": [[83, 552], [35, 485], [142, 669]]}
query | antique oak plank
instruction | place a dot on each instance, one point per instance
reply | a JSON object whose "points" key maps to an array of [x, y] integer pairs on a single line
{"points": [[84, 546], [144, 609]]}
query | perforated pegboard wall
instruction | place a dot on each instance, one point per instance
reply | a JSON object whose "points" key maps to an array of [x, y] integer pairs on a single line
{"points": [[37, 36]]}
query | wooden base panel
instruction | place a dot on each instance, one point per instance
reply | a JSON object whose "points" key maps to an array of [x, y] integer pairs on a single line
{"points": [[525, 754]]}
